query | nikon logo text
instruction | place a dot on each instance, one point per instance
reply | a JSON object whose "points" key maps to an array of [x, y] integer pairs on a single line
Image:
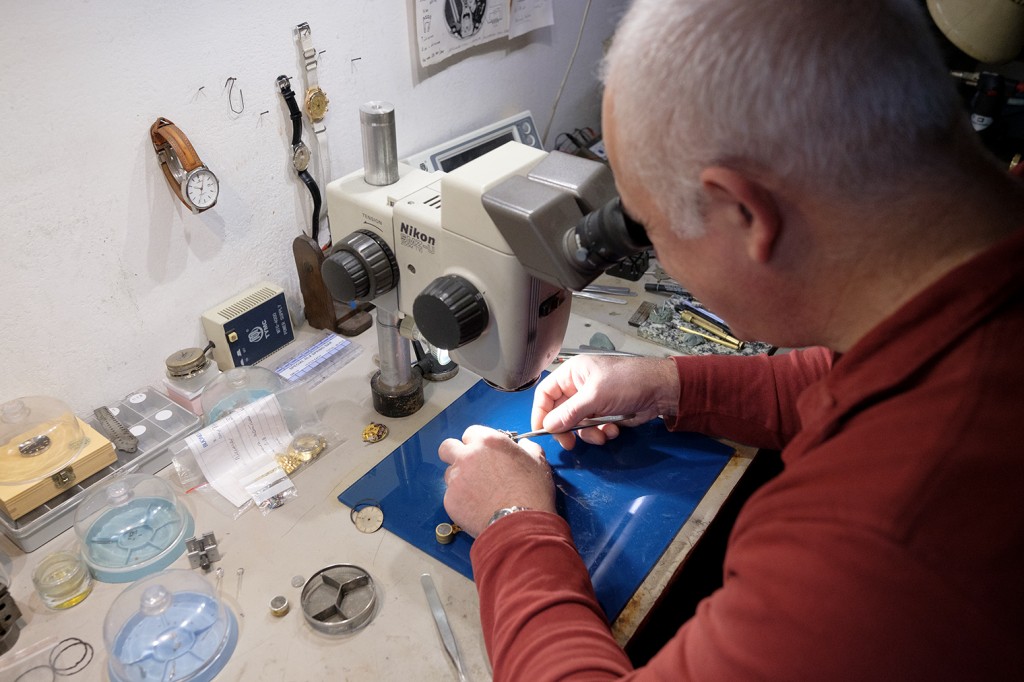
{"points": [[413, 238]]}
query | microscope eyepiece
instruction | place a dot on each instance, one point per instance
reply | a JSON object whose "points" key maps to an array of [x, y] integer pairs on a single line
{"points": [[603, 238]]}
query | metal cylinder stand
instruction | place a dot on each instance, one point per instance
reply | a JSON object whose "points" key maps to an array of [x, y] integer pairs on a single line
{"points": [[397, 389]]}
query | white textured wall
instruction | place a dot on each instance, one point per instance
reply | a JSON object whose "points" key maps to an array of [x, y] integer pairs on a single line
{"points": [[104, 273]]}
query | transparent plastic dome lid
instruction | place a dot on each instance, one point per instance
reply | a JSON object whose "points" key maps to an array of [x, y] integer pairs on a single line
{"points": [[132, 526], [39, 435], [237, 388], [169, 626]]}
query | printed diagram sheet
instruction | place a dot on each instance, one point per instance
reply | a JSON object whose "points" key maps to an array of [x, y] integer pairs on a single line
{"points": [[448, 27]]}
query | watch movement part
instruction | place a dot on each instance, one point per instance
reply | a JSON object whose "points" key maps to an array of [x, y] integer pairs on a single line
{"points": [[202, 552], [279, 606], [367, 516], [307, 446], [445, 533], [374, 432]]}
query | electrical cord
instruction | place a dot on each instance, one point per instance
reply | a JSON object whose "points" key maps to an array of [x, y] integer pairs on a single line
{"points": [[565, 78]]}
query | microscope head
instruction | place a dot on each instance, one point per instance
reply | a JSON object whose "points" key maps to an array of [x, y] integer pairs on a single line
{"points": [[480, 261]]}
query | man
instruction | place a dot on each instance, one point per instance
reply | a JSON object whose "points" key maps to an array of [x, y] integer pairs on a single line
{"points": [[805, 169]]}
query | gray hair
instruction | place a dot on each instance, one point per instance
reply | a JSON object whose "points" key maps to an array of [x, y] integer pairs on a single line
{"points": [[846, 99]]}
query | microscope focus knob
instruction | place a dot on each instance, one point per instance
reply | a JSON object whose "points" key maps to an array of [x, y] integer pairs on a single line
{"points": [[450, 312], [361, 268], [345, 276]]}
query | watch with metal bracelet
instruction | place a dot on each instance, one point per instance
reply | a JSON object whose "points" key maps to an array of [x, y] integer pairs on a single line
{"points": [[502, 513], [300, 152]]}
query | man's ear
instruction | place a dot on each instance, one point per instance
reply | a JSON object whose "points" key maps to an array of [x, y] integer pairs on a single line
{"points": [[750, 205]]}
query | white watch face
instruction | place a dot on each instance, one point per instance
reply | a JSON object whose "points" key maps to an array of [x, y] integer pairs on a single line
{"points": [[202, 188], [300, 157]]}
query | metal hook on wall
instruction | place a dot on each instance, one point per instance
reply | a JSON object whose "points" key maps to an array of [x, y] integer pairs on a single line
{"points": [[229, 85]]}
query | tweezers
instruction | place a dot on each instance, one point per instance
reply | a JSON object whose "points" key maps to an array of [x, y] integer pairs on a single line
{"points": [[585, 423]]}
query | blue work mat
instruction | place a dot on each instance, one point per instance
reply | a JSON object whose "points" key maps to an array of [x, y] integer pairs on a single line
{"points": [[625, 501]]}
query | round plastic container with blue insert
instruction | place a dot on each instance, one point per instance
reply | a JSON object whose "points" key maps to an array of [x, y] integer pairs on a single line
{"points": [[131, 527], [169, 626], [236, 388]]}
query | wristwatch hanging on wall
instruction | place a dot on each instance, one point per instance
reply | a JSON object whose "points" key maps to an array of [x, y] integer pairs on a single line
{"points": [[316, 99], [192, 182], [315, 102], [300, 153]]}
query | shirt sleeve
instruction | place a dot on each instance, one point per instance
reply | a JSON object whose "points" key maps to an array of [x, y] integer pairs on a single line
{"points": [[803, 599], [540, 617], [750, 399]]}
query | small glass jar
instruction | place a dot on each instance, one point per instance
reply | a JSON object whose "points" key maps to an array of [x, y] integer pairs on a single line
{"points": [[190, 370], [62, 580]]}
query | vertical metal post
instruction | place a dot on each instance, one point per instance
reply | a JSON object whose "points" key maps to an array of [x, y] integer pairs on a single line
{"points": [[380, 148]]}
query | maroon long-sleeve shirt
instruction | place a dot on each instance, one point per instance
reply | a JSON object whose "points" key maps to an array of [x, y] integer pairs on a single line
{"points": [[891, 546]]}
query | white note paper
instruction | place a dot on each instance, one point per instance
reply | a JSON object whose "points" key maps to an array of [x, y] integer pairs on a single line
{"points": [[244, 441], [529, 15]]}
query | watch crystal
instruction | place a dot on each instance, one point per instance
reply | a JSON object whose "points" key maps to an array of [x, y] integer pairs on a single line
{"points": [[316, 104], [300, 157]]}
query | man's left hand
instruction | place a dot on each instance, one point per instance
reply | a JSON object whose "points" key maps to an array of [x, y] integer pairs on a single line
{"points": [[487, 471]]}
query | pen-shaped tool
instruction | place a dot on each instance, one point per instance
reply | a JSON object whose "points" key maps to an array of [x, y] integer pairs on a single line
{"points": [[706, 314], [595, 296], [606, 289], [665, 288], [584, 423], [447, 636], [710, 337], [703, 323]]}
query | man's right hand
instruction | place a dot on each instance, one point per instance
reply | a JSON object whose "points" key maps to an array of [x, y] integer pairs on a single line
{"points": [[597, 386]]}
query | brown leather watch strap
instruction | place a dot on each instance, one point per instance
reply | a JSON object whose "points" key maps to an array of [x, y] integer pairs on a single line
{"points": [[168, 137], [164, 131]]}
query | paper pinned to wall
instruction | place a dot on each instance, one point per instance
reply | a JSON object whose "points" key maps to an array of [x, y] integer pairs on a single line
{"points": [[529, 15], [445, 28]]}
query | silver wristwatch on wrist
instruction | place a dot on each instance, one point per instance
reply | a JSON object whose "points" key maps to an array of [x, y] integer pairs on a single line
{"points": [[502, 513]]}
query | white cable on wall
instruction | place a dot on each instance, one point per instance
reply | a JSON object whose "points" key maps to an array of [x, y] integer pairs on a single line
{"points": [[565, 78]]}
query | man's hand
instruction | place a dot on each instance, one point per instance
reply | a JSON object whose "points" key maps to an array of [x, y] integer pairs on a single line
{"points": [[598, 386], [487, 472]]}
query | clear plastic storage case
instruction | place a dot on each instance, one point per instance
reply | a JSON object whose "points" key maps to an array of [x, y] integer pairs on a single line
{"points": [[154, 419], [132, 526], [169, 626]]}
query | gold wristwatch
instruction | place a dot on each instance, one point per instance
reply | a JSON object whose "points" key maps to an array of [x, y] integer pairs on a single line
{"points": [[316, 99]]}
